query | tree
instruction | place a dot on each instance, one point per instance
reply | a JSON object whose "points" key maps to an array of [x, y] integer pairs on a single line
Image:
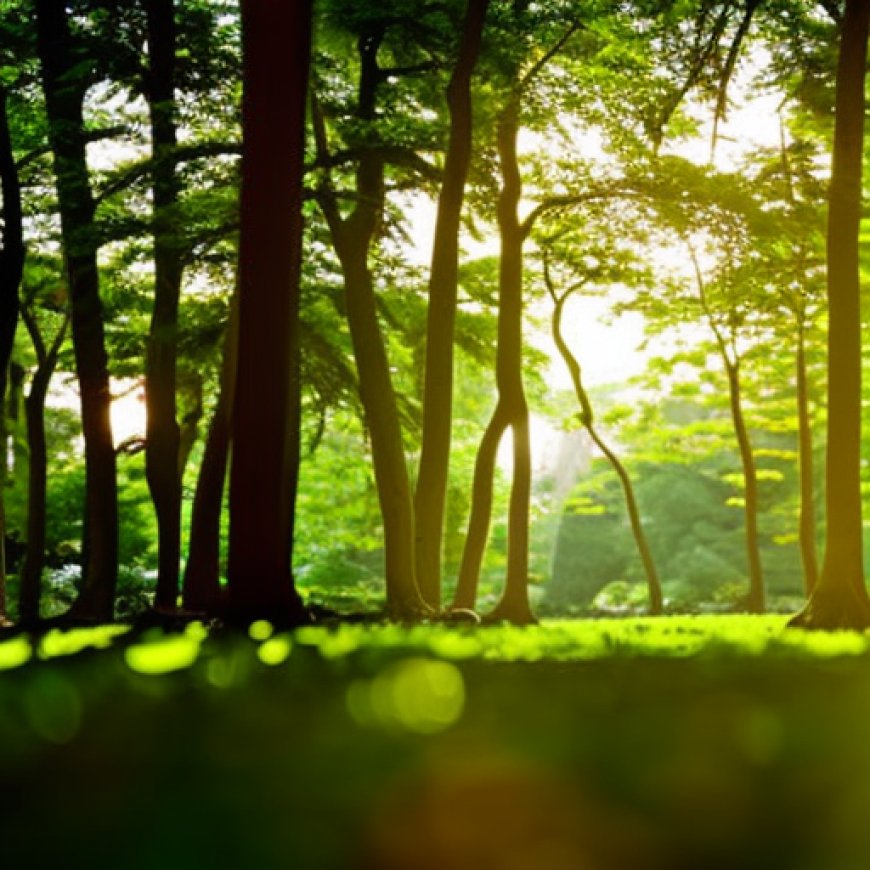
{"points": [[276, 40], [162, 439], [511, 408], [839, 599], [30, 576], [587, 419], [11, 267], [64, 87], [431, 490]]}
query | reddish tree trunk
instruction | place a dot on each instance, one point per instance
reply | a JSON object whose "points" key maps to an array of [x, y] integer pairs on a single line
{"points": [[276, 45]]}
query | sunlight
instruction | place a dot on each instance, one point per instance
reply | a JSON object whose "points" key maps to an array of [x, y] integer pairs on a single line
{"points": [[128, 411]]}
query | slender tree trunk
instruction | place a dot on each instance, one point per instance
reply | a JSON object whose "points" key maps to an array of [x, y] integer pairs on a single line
{"points": [[64, 94], [511, 408], [839, 599], [276, 50], [431, 491], [201, 588], [465, 597], [352, 238], [807, 517], [162, 437], [189, 428], [30, 577], [11, 267], [382, 420], [755, 599], [587, 419]]}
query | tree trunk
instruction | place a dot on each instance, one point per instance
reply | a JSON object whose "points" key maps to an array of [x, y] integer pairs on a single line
{"points": [[755, 598], [64, 94], [201, 588], [30, 577], [352, 238], [162, 437], [839, 599], [807, 518], [276, 49], [382, 420], [189, 428], [587, 420], [11, 267], [511, 408], [431, 490]]}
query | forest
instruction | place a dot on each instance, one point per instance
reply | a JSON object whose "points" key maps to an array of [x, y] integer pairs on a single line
{"points": [[433, 433]]}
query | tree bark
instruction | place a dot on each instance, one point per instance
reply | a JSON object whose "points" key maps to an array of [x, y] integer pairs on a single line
{"points": [[807, 515], [431, 490], [30, 577], [755, 599], [64, 95], [276, 50], [352, 237], [11, 268], [162, 436], [201, 587], [840, 599], [511, 408]]}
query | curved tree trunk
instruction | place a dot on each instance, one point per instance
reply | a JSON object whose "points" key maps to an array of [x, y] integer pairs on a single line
{"points": [[11, 267], [431, 491], [839, 599], [511, 409], [162, 436], [276, 51], [30, 576], [587, 419], [352, 238], [64, 95], [807, 517]]}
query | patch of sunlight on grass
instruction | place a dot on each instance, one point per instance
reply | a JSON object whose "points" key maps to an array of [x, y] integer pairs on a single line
{"points": [[418, 695], [162, 655], [455, 645], [275, 650], [65, 643], [333, 643], [574, 639], [822, 644], [14, 653]]}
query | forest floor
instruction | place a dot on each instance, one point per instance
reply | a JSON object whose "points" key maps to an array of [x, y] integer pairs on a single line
{"points": [[683, 742]]}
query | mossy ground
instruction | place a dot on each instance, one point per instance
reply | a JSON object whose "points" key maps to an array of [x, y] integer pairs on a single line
{"points": [[707, 742]]}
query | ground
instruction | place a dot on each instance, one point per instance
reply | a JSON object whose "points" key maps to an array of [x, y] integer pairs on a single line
{"points": [[697, 743]]}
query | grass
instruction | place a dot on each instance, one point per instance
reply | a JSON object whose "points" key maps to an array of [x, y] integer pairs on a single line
{"points": [[684, 742]]}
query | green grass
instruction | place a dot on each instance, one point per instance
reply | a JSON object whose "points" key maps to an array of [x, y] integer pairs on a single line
{"points": [[685, 742]]}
